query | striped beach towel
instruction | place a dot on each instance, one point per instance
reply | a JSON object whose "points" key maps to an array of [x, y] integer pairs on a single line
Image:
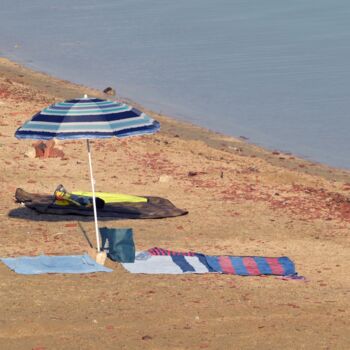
{"points": [[147, 263], [251, 265], [161, 251], [159, 260]]}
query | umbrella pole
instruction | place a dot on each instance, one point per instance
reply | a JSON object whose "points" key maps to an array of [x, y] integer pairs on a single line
{"points": [[93, 197]]}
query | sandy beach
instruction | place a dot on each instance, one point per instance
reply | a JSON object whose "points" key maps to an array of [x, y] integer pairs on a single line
{"points": [[242, 200]]}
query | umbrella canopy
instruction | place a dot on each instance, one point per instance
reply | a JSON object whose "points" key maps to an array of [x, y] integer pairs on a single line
{"points": [[87, 118]]}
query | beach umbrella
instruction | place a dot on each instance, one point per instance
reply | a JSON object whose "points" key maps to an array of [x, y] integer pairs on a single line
{"points": [[87, 118]]}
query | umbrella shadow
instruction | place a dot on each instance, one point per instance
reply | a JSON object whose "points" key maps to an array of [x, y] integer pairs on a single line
{"points": [[85, 234], [28, 214]]}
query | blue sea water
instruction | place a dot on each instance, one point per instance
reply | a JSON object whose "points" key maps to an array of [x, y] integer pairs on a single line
{"points": [[275, 71]]}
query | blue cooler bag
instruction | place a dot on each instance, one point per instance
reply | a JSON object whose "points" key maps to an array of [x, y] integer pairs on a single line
{"points": [[121, 247]]}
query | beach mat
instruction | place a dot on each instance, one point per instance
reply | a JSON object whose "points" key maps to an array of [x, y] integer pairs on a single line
{"points": [[54, 264], [251, 265], [153, 208], [158, 260], [146, 263]]}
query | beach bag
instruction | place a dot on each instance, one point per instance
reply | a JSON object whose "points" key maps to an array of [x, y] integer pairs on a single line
{"points": [[121, 247]]}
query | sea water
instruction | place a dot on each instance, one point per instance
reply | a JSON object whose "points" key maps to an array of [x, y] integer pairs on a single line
{"points": [[275, 71]]}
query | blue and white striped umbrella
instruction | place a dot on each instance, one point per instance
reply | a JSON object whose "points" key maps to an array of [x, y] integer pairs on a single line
{"points": [[87, 118]]}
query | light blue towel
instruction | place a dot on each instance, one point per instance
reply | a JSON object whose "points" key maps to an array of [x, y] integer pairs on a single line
{"points": [[54, 264]]}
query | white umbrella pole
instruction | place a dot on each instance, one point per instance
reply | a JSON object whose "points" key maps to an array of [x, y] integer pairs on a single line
{"points": [[93, 197]]}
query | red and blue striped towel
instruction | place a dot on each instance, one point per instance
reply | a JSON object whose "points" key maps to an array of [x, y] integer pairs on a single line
{"points": [[161, 251], [251, 265], [236, 265]]}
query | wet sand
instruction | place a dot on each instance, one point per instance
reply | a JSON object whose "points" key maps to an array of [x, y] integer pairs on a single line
{"points": [[243, 200]]}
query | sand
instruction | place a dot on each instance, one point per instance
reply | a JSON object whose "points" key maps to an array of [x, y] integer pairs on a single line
{"points": [[242, 200]]}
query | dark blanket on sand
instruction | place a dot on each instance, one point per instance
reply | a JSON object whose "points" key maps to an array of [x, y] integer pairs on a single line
{"points": [[154, 208]]}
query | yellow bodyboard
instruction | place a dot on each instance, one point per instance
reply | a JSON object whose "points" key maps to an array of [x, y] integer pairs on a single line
{"points": [[113, 197]]}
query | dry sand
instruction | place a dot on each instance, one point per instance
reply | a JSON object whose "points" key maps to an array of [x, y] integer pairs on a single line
{"points": [[244, 200]]}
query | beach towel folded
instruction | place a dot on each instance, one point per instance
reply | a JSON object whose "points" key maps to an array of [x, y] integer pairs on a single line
{"points": [[158, 260], [167, 264], [54, 264]]}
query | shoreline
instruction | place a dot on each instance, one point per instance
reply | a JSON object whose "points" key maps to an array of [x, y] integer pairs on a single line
{"points": [[171, 126]]}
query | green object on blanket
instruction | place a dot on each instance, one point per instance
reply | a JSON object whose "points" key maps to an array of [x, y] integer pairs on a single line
{"points": [[84, 199], [113, 197], [64, 198]]}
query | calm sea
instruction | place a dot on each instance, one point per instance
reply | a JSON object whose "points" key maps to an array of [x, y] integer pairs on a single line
{"points": [[275, 71]]}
